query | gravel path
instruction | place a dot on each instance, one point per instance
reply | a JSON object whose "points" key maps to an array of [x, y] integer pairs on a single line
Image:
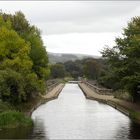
{"points": [[54, 92]]}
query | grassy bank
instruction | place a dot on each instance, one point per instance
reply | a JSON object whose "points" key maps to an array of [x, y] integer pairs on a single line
{"points": [[18, 116], [10, 118], [14, 119]]}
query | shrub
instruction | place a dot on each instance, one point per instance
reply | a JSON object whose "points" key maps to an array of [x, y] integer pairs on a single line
{"points": [[12, 119]]}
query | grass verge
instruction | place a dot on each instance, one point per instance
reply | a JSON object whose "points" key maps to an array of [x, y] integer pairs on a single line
{"points": [[13, 119]]}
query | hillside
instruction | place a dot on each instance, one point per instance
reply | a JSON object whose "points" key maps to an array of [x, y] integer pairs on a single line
{"points": [[63, 57]]}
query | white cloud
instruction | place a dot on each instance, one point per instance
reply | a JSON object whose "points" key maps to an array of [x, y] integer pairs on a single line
{"points": [[54, 17], [76, 26], [85, 43]]}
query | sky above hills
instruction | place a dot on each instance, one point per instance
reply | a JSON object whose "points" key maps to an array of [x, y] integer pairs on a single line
{"points": [[76, 26]]}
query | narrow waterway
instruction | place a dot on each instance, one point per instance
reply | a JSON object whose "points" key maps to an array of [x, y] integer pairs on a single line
{"points": [[72, 116]]}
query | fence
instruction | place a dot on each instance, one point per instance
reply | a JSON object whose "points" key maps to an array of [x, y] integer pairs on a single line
{"points": [[51, 84], [102, 91]]}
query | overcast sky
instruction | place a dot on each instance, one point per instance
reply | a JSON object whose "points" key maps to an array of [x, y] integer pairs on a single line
{"points": [[76, 26]]}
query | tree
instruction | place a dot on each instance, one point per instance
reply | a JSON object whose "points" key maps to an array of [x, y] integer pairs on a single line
{"points": [[124, 58], [11, 86], [57, 71], [31, 35], [74, 68], [15, 64], [38, 52], [91, 69], [23, 59], [14, 51]]}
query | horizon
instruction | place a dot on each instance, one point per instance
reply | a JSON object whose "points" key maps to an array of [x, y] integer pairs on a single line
{"points": [[73, 54]]}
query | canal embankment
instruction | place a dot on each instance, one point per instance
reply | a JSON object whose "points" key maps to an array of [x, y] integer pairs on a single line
{"points": [[50, 95], [128, 108], [19, 116]]}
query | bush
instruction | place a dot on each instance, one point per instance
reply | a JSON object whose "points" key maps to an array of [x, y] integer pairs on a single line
{"points": [[4, 106], [11, 86], [12, 119]]}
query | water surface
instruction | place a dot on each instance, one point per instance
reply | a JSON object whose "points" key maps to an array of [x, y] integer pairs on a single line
{"points": [[72, 116]]}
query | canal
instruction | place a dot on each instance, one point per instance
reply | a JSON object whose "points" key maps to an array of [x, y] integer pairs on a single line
{"points": [[72, 116]]}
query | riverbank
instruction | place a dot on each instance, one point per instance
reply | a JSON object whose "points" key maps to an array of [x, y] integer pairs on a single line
{"points": [[14, 119], [128, 108], [19, 116], [51, 95]]}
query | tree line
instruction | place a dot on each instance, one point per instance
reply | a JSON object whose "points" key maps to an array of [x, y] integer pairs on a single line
{"points": [[23, 59], [24, 66], [90, 68]]}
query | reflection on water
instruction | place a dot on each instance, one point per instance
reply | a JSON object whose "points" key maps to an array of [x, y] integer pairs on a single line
{"points": [[74, 117], [18, 133], [71, 116]]}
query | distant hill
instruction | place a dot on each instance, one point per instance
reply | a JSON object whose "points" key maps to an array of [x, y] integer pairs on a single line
{"points": [[63, 57]]}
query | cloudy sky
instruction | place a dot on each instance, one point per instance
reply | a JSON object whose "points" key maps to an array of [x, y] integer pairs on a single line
{"points": [[76, 26]]}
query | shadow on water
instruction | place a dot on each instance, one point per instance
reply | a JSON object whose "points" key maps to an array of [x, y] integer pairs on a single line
{"points": [[134, 131], [18, 133], [38, 132]]}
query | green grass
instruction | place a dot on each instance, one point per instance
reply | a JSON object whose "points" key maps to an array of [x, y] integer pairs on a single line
{"points": [[13, 119]]}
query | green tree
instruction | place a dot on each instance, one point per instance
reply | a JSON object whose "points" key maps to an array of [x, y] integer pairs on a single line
{"points": [[57, 71], [38, 52], [74, 68], [124, 58], [14, 51], [31, 35], [23, 59], [15, 65], [11, 86], [91, 69]]}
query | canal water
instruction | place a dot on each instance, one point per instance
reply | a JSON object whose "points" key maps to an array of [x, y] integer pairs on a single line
{"points": [[72, 116]]}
